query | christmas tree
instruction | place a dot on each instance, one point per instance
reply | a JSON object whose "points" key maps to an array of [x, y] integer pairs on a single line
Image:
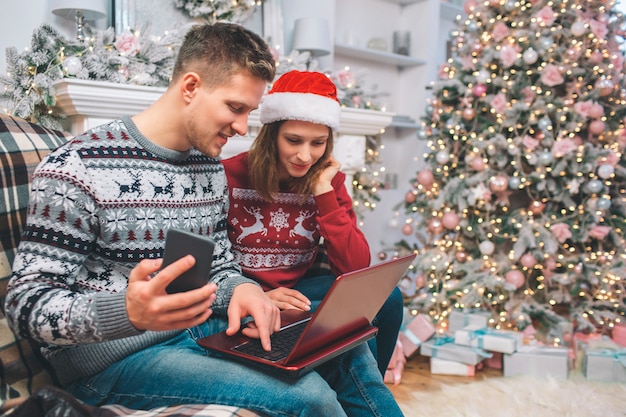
{"points": [[520, 209]]}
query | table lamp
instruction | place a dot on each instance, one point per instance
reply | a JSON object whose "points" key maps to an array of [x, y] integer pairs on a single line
{"points": [[79, 10], [312, 34]]}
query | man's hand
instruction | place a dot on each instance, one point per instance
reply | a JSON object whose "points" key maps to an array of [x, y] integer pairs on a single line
{"points": [[250, 300], [287, 298], [150, 307]]}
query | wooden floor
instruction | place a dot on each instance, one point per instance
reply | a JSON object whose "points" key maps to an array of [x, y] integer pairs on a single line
{"points": [[417, 377]]}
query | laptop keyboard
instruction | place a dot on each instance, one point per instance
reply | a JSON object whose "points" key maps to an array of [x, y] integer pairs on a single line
{"points": [[282, 343]]}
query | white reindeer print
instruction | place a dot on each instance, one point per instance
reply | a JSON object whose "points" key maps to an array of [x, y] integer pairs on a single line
{"points": [[299, 229], [256, 227]]}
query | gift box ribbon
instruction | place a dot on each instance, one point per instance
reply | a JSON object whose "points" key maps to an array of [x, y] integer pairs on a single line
{"points": [[618, 356], [480, 333], [444, 340], [412, 337]]}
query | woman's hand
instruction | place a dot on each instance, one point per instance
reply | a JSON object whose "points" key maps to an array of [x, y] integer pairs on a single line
{"points": [[326, 176], [287, 298]]}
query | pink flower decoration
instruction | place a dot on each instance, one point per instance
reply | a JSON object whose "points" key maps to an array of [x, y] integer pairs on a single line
{"points": [[275, 54], [499, 103], [345, 78], [563, 147], [509, 54], [561, 231], [530, 142], [621, 139], [551, 76], [612, 158], [443, 71], [583, 107], [546, 15], [599, 232], [617, 60], [598, 28], [127, 43], [500, 31], [468, 63], [529, 95]]}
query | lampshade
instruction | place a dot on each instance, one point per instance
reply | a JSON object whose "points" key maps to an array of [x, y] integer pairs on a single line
{"points": [[312, 34], [91, 9]]}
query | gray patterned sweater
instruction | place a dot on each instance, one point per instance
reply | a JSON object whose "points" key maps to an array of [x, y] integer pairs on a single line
{"points": [[98, 205]]}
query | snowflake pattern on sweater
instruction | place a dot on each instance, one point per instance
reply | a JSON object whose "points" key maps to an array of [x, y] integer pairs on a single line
{"points": [[99, 204]]}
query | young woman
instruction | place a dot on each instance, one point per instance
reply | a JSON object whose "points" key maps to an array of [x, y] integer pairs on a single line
{"points": [[287, 197]]}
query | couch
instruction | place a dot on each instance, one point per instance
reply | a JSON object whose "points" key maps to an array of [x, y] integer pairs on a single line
{"points": [[22, 372]]}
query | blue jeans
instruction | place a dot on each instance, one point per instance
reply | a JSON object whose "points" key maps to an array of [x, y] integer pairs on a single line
{"points": [[181, 372], [388, 320]]}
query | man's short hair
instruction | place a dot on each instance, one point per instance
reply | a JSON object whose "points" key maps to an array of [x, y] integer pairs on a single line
{"points": [[219, 50]]}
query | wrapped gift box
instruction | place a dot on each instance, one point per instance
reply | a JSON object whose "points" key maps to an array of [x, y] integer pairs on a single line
{"points": [[537, 360], [418, 330], [604, 360], [605, 365], [494, 362], [457, 320], [445, 348], [619, 334], [445, 367], [504, 341]]}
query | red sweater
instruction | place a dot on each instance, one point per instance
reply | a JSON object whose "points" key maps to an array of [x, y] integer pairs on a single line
{"points": [[276, 243]]}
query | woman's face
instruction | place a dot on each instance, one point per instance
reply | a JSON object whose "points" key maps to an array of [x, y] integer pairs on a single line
{"points": [[300, 145]]}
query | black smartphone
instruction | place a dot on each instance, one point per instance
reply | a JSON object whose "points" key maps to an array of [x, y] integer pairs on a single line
{"points": [[180, 243]]}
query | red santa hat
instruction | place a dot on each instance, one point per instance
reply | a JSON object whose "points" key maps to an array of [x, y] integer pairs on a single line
{"points": [[302, 95]]}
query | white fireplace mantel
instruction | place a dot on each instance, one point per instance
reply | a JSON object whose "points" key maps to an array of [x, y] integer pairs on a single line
{"points": [[90, 103]]}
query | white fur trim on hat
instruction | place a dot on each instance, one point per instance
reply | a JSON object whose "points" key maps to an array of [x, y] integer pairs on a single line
{"points": [[308, 107]]}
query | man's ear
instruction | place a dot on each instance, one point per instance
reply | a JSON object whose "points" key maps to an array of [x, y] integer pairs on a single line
{"points": [[189, 85]]}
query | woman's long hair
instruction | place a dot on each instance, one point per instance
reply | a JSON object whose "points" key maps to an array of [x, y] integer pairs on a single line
{"points": [[263, 165]]}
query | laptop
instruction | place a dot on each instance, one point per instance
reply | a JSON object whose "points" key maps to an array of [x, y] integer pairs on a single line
{"points": [[341, 322]]}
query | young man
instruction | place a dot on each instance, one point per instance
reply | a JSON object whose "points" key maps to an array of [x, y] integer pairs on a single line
{"points": [[87, 283]]}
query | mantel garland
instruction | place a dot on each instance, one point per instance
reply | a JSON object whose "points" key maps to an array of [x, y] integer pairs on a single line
{"points": [[136, 57], [235, 11]]}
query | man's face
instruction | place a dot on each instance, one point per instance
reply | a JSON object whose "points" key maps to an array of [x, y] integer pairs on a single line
{"points": [[218, 113]]}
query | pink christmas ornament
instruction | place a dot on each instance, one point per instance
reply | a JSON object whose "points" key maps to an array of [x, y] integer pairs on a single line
{"points": [[498, 183], [450, 220], [550, 264], [478, 164], [596, 57], [528, 260], [469, 6], [461, 256], [410, 197], [469, 113], [596, 111], [536, 207], [515, 278], [426, 178], [479, 90], [435, 226], [596, 127], [420, 281], [407, 229], [382, 256]]}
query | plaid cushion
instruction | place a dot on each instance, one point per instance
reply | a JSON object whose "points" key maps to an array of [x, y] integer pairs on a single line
{"points": [[22, 146]]}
